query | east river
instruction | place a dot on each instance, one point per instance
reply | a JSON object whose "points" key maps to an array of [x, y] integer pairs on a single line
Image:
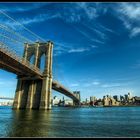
{"points": [[71, 122]]}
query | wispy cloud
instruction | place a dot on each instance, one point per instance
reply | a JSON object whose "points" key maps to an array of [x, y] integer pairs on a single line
{"points": [[101, 84], [92, 83], [111, 85], [63, 48], [96, 83], [131, 10], [98, 32], [130, 15], [85, 34], [107, 29], [38, 18], [74, 85], [78, 50], [93, 46], [78, 11], [89, 8], [26, 21], [70, 12], [135, 31]]}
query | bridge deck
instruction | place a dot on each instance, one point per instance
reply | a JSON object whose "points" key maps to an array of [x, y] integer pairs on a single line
{"points": [[19, 66]]}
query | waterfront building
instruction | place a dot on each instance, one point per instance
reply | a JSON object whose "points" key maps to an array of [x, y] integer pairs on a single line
{"points": [[83, 103], [6, 103], [109, 101], [137, 100], [106, 101], [61, 103], [87, 101], [126, 97], [93, 98], [77, 94], [99, 103], [122, 99], [129, 96], [68, 102], [114, 102], [116, 97], [55, 101], [133, 99]]}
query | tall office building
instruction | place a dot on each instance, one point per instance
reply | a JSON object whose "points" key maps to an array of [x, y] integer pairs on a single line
{"points": [[77, 94], [116, 97], [92, 98]]}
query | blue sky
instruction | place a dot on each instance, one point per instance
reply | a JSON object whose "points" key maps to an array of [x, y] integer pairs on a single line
{"points": [[96, 45]]}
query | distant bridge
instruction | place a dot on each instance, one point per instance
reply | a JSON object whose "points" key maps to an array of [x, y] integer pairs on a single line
{"points": [[6, 98]]}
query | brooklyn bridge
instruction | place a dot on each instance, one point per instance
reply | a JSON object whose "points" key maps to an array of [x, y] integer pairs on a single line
{"points": [[34, 86]]}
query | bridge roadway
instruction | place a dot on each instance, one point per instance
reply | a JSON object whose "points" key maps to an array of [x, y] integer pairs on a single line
{"points": [[21, 67]]}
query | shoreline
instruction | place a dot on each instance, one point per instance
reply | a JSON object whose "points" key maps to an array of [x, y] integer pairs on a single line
{"points": [[86, 106]]}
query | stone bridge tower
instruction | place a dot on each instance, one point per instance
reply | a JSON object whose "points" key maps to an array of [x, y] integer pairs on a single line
{"points": [[32, 92]]}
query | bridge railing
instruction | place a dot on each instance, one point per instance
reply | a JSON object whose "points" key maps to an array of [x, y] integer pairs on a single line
{"points": [[10, 53]]}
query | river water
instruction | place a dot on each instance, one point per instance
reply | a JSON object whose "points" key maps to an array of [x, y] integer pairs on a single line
{"points": [[71, 122]]}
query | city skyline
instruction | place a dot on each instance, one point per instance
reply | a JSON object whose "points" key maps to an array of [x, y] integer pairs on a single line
{"points": [[96, 46]]}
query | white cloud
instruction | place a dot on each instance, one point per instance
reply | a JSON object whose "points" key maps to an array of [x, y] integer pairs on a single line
{"points": [[71, 48], [93, 46], [78, 50], [131, 10], [111, 85], [85, 34], [96, 83], [107, 29], [78, 11], [72, 12], [101, 34], [127, 23], [98, 32], [38, 18], [130, 15], [92, 83], [74, 85], [26, 21], [101, 84], [135, 31], [90, 11]]}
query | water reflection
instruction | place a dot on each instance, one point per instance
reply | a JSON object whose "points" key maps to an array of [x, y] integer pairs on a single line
{"points": [[29, 123], [71, 122]]}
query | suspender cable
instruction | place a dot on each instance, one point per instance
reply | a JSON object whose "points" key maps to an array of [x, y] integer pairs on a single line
{"points": [[12, 31], [22, 26]]}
